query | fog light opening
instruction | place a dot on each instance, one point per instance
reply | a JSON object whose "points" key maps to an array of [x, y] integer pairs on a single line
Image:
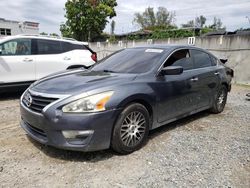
{"points": [[71, 134], [77, 137]]}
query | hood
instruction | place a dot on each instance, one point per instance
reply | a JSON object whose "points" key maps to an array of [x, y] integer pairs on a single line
{"points": [[79, 81]]}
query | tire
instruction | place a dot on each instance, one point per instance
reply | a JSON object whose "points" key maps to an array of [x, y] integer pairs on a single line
{"points": [[131, 129], [220, 100]]}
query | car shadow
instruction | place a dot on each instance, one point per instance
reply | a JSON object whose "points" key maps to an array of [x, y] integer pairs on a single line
{"points": [[68, 155], [96, 156]]}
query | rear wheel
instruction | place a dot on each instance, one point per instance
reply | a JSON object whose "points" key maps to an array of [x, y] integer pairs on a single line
{"points": [[220, 100], [131, 129]]}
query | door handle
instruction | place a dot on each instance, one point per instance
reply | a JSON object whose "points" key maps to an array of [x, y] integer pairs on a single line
{"points": [[194, 79], [27, 60], [66, 58], [216, 73]]}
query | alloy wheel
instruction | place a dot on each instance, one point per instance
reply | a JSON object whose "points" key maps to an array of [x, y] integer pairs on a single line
{"points": [[133, 128], [221, 99]]}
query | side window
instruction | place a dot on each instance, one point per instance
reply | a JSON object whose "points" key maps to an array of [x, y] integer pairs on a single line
{"points": [[48, 47], [78, 47], [16, 47], [214, 60], [180, 58], [201, 59], [67, 46]]}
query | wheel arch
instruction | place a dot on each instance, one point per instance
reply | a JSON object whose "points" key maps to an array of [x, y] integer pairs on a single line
{"points": [[144, 100], [226, 85]]}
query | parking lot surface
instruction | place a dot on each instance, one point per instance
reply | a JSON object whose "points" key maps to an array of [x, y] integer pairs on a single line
{"points": [[204, 150]]}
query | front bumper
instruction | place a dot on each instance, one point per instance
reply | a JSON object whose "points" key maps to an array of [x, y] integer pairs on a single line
{"points": [[47, 128]]}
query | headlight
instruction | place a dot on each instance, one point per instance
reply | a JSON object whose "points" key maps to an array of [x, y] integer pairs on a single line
{"points": [[93, 103]]}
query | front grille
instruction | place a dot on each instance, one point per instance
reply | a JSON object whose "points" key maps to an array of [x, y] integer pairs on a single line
{"points": [[37, 132], [36, 103]]}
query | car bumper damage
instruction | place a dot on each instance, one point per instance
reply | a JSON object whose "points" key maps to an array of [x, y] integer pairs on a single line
{"points": [[81, 132]]}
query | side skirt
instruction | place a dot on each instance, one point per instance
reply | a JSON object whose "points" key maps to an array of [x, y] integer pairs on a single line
{"points": [[179, 117]]}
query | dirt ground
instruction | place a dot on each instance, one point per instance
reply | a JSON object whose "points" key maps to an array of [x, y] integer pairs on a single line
{"points": [[204, 150]]}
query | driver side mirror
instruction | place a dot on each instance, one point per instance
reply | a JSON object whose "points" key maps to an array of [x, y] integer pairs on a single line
{"points": [[171, 70], [0, 51], [223, 61]]}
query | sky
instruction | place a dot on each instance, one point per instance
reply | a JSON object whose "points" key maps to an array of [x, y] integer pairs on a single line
{"points": [[50, 13]]}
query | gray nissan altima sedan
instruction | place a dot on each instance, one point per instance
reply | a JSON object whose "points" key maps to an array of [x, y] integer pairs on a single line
{"points": [[120, 99]]}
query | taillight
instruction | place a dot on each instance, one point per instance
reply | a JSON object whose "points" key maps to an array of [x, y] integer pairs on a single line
{"points": [[94, 57]]}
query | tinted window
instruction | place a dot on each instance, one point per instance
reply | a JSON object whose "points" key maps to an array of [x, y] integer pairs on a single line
{"points": [[136, 60], [67, 46], [48, 47], [214, 60], [16, 47], [180, 58], [201, 59]]}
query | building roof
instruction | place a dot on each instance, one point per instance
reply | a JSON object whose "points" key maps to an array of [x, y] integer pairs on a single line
{"points": [[15, 21]]}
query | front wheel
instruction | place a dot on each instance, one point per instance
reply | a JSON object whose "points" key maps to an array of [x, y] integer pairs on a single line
{"points": [[131, 129], [220, 100]]}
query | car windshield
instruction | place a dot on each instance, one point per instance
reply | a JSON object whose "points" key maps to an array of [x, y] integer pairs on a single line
{"points": [[134, 60]]}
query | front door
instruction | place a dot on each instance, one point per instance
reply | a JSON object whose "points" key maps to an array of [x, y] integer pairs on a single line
{"points": [[16, 62], [177, 94]]}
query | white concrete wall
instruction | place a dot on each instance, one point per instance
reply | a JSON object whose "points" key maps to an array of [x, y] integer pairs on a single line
{"points": [[235, 48]]}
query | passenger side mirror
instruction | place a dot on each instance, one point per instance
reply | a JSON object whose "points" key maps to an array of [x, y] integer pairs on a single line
{"points": [[171, 70], [0, 51]]}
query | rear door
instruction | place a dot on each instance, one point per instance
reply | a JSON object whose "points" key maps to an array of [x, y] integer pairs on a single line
{"points": [[50, 57], [207, 77], [16, 61]]}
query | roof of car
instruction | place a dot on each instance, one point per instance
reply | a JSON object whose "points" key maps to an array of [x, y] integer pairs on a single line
{"points": [[171, 47], [44, 37], [168, 46]]}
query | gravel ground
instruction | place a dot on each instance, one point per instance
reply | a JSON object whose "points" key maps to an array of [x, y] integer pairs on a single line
{"points": [[204, 150]]}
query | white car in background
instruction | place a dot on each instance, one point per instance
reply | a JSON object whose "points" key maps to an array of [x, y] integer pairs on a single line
{"points": [[26, 58]]}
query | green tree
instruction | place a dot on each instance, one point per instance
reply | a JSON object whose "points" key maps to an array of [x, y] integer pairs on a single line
{"points": [[200, 21], [66, 31], [54, 34], [188, 24], [86, 19], [197, 22], [217, 24], [162, 19], [43, 33]]}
